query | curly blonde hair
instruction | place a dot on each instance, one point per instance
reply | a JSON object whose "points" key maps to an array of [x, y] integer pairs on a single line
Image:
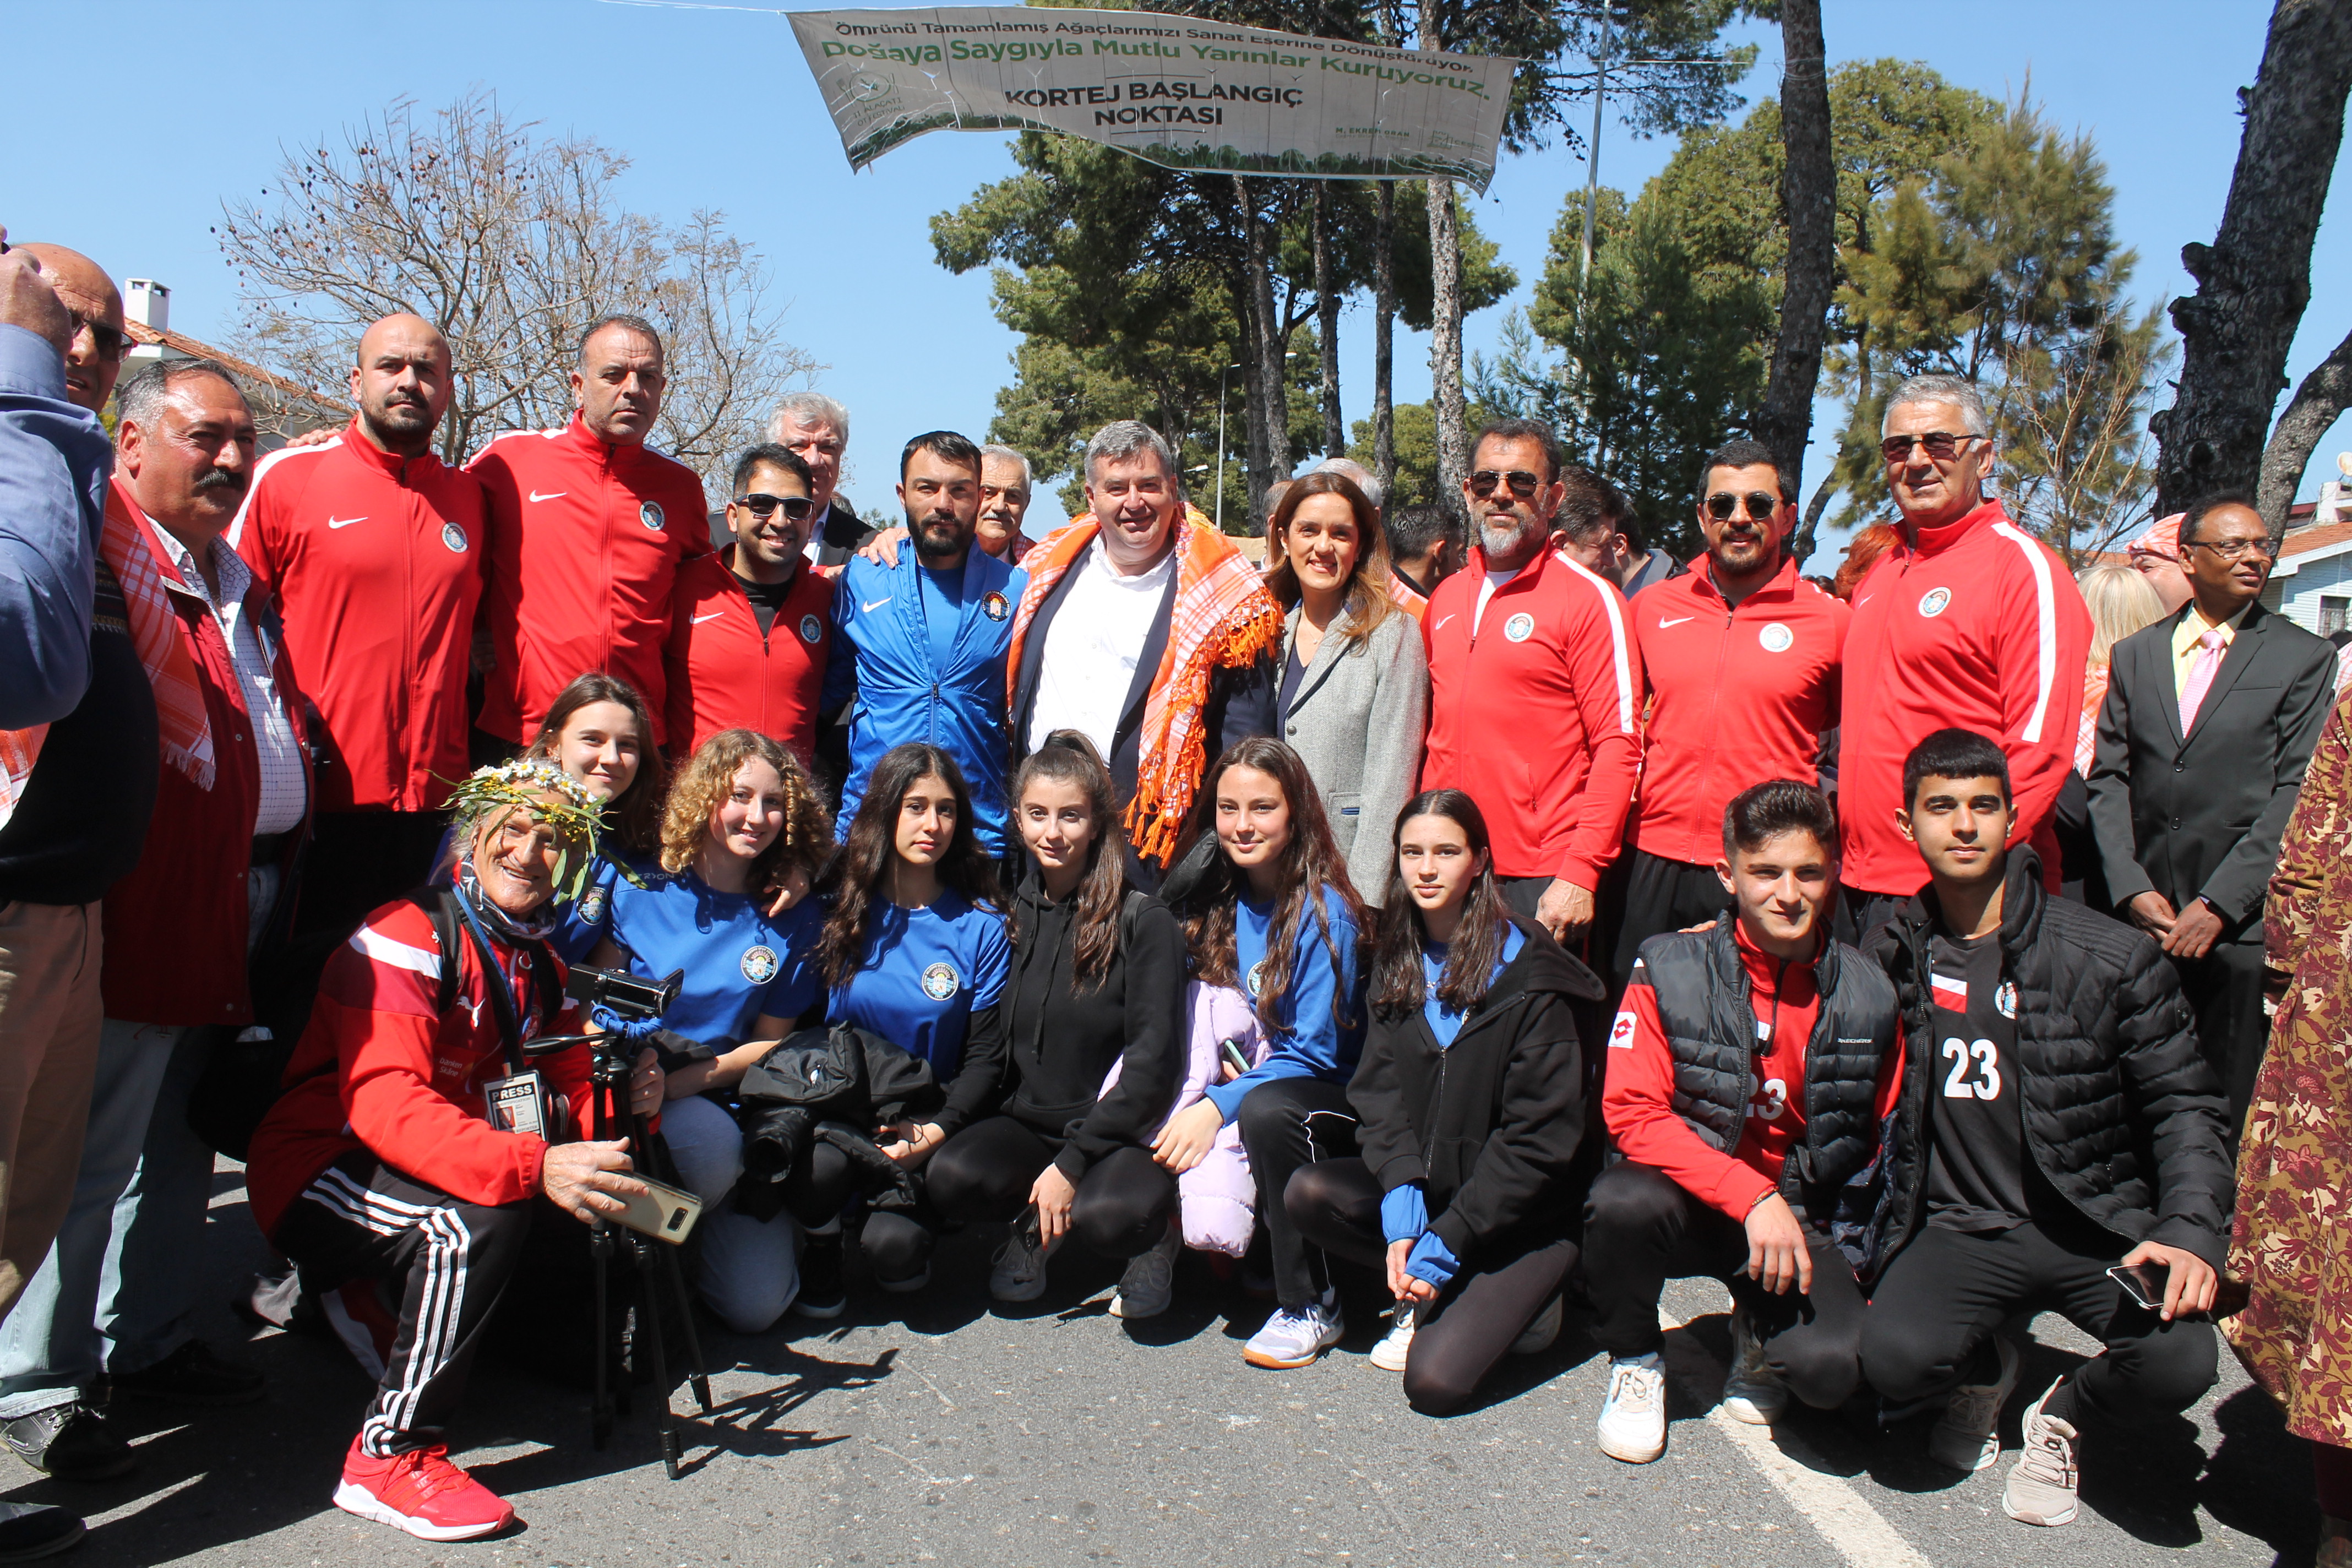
{"points": [[702, 786]]}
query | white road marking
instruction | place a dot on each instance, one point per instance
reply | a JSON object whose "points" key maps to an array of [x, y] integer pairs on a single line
{"points": [[1841, 1515]]}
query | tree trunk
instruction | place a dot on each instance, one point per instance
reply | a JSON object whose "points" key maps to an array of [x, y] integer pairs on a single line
{"points": [[1809, 198], [1269, 445], [1446, 339], [1384, 341], [2254, 279], [1326, 324], [1801, 544], [2319, 403]]}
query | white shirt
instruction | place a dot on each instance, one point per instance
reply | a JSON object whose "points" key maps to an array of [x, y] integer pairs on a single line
{"points": [[280, 750], [816, 532], [1092, 647], [1487, 591]]}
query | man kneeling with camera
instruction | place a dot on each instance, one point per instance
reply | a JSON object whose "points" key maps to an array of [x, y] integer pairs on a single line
{"points": [[413, 1139]]}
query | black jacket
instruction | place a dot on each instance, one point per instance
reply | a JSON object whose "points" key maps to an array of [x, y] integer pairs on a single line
{"points": [[1492, 1125], [1062, 1040], [2122, 1115]]}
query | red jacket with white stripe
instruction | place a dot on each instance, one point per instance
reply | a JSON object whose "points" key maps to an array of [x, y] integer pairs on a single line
{"points": [[375, 561], [724, 673], [379, 1068], [1737, 696], [1537, 715], [1977, 626], [586, 542]]}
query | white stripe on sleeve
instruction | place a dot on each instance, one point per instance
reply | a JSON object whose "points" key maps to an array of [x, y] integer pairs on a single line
{"points": [[2045, 627], [1613, 607], [373, 944]]}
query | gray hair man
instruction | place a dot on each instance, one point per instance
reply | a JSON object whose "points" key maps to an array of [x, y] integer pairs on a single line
{"points": [[816, 429], [1005, 485]]}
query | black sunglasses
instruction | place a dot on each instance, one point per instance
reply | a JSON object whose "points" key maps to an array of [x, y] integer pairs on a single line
{"points": [[764, 507], [1760, 506], [1942, 445], [1523, 484], [112, 342]]}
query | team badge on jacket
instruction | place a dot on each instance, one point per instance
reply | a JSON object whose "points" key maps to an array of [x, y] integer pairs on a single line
{"points": [[811, 629], [1520, 628], [650, 514], [1621, 1033], [759, 964], [1776, 637], [939, 982], [592, 907], [1255, 978], [2005, 999], [1933, 602], [996, 606], [454, 537]]}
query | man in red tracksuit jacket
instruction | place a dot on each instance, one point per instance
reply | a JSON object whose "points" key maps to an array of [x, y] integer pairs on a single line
{"points": [[371, 548], [588, 528], [752, 626], [1535, 686], [1969, 622], [1741, 655]]}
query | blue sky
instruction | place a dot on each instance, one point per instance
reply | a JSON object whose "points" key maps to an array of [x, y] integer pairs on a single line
{"points": [[717, 109]]}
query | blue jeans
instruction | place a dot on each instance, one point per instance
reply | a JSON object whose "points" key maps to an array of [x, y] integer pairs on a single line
{"points": [[750, 1270]]}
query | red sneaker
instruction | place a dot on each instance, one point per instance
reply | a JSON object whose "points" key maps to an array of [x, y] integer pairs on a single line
{"points": [[422, 1492]]}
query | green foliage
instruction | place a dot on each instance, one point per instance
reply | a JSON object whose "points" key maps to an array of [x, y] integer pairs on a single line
{"points": [[1416, 449]]}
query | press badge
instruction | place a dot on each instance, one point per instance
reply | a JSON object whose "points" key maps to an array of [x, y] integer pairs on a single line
{"points": [[517, 1104]]}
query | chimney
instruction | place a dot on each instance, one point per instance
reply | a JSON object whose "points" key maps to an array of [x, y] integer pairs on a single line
{"points": [[147, 302]]}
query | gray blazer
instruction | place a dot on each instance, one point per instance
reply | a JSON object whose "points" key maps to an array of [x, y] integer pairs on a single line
{"points": [[1358, 720], [2202, 815]]}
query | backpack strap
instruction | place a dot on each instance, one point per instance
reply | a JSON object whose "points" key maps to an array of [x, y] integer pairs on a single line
{"points": [[438, 908]]}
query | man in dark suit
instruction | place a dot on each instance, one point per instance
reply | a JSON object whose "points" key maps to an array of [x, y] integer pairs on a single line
{"points": [[2210, 717], [817, 427]]}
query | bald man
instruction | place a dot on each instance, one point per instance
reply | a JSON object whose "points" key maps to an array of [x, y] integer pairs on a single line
{"points": [[373, 550]]}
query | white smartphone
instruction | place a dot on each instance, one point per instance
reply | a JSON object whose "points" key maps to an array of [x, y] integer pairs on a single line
{"points": [[662, 1211]]}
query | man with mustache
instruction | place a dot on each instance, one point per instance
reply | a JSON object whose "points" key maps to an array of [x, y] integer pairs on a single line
{"points": [[1741, 654], [1004, 490], [923, 641], [371, 548], [117, 1290], [1535, 686]]}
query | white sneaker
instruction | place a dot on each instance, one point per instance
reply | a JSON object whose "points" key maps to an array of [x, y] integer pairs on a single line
{"points": [[1542, 1330], [2042, 1484], [1294, 1336], [1019, 1271], [1634, 1418], [1753, 1392], [1150, 1282], [1396, 1345], [1967, 1436]]}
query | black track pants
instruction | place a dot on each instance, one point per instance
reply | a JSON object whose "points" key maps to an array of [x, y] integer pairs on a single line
{"points": [[897, 1246], [985, 1172], [1661, 896], [1286, 1124]]}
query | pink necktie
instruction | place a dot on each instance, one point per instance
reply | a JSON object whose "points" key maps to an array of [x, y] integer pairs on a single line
{"points": [[2200, 678]]}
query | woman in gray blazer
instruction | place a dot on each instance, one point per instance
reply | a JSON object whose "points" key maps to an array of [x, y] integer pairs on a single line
{"points": [[1355, 676]]}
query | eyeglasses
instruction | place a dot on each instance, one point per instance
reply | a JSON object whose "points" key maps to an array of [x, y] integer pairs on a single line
{"points": [[1760, 506], [1942, 445], [1523, 484], [2237, 548], [764, 507], [110, 341]]}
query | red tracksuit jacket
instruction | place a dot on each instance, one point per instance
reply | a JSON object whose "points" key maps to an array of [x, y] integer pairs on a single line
{"points": [[1978, 627], [375, 561], [1736, 697], [724, 673], [1537, 716], [586, 544]]}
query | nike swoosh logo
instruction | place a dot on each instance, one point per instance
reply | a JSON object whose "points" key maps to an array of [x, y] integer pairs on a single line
{"points": [[711, 617], [876, 604], [1678, 620], [551, 495], [1441, 623], [1863, 600], [343, 522]]}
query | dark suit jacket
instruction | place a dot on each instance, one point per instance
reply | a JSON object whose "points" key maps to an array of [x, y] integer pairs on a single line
{"points": [[2202, 816], [844, 535], [1241, 702]]}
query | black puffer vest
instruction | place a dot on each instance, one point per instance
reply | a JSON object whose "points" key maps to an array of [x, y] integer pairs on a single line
{"points": [[1710, 1024]]}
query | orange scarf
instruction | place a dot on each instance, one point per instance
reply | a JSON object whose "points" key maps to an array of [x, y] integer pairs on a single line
{"points": [[1223, 619]]}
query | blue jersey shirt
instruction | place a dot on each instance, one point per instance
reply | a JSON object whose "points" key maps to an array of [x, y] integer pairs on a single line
{"points": [[1444, 1022], [882, 615], [740, 964], [1308, 1042], [926, 973]]}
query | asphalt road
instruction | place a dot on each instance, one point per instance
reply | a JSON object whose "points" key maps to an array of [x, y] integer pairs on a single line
{"points": [[1053, 1434]]}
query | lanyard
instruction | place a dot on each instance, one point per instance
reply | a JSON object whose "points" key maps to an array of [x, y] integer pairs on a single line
{"points": [[494, 982]]}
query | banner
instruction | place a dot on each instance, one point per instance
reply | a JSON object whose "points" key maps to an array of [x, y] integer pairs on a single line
{"points": [[1179, 91]]}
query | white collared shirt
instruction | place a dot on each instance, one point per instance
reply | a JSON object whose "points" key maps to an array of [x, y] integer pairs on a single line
{"points": [[1093, 646], [283, 796]]}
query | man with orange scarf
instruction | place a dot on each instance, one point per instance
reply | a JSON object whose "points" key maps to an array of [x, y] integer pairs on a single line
{"points": [[1149, 632]]}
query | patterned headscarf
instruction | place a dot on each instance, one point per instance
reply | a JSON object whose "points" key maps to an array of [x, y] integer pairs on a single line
{"points": [[2162, 540]]}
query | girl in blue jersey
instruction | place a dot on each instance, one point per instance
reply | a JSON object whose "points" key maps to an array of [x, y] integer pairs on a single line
{"points": [[1276, 917], [742, 808], [914, 948], [598, 731]]}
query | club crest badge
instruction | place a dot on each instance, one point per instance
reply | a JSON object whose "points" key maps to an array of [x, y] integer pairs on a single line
{"points": [[1935, 601], [759, 964], [1621, 1033], [939, 982], [997, 606], [1256, 977], [1520, 628], [650, 514], [2005, 999], [454, 537], [592, 907], [1776, 638], [811, 629]]}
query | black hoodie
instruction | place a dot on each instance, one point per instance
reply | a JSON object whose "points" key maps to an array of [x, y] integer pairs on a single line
{"points": [[1491, 1125]]}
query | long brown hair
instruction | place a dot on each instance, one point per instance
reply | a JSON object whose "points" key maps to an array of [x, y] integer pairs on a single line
{"points": [[705, 783], [1068, 757], [633, 817], [1310, 862], [853, 883], [1397, 989], [1366, 592]]}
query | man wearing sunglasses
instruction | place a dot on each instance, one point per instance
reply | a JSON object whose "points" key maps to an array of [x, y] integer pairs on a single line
{"points": [[1967, 621], [752, 626], [1535, 686], [1742, 659], [2211, 717], [372, 548]]}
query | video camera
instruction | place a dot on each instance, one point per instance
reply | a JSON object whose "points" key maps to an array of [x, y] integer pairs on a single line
{"points": [[626, 997]]}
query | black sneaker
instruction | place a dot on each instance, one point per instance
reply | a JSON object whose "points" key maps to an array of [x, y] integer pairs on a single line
{"points": [[36, 1530], [192, 1375], [822, 1295], [71, 1442]]}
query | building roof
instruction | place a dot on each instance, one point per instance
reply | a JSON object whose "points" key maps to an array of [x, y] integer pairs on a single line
{"points": [[180, 343]]}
